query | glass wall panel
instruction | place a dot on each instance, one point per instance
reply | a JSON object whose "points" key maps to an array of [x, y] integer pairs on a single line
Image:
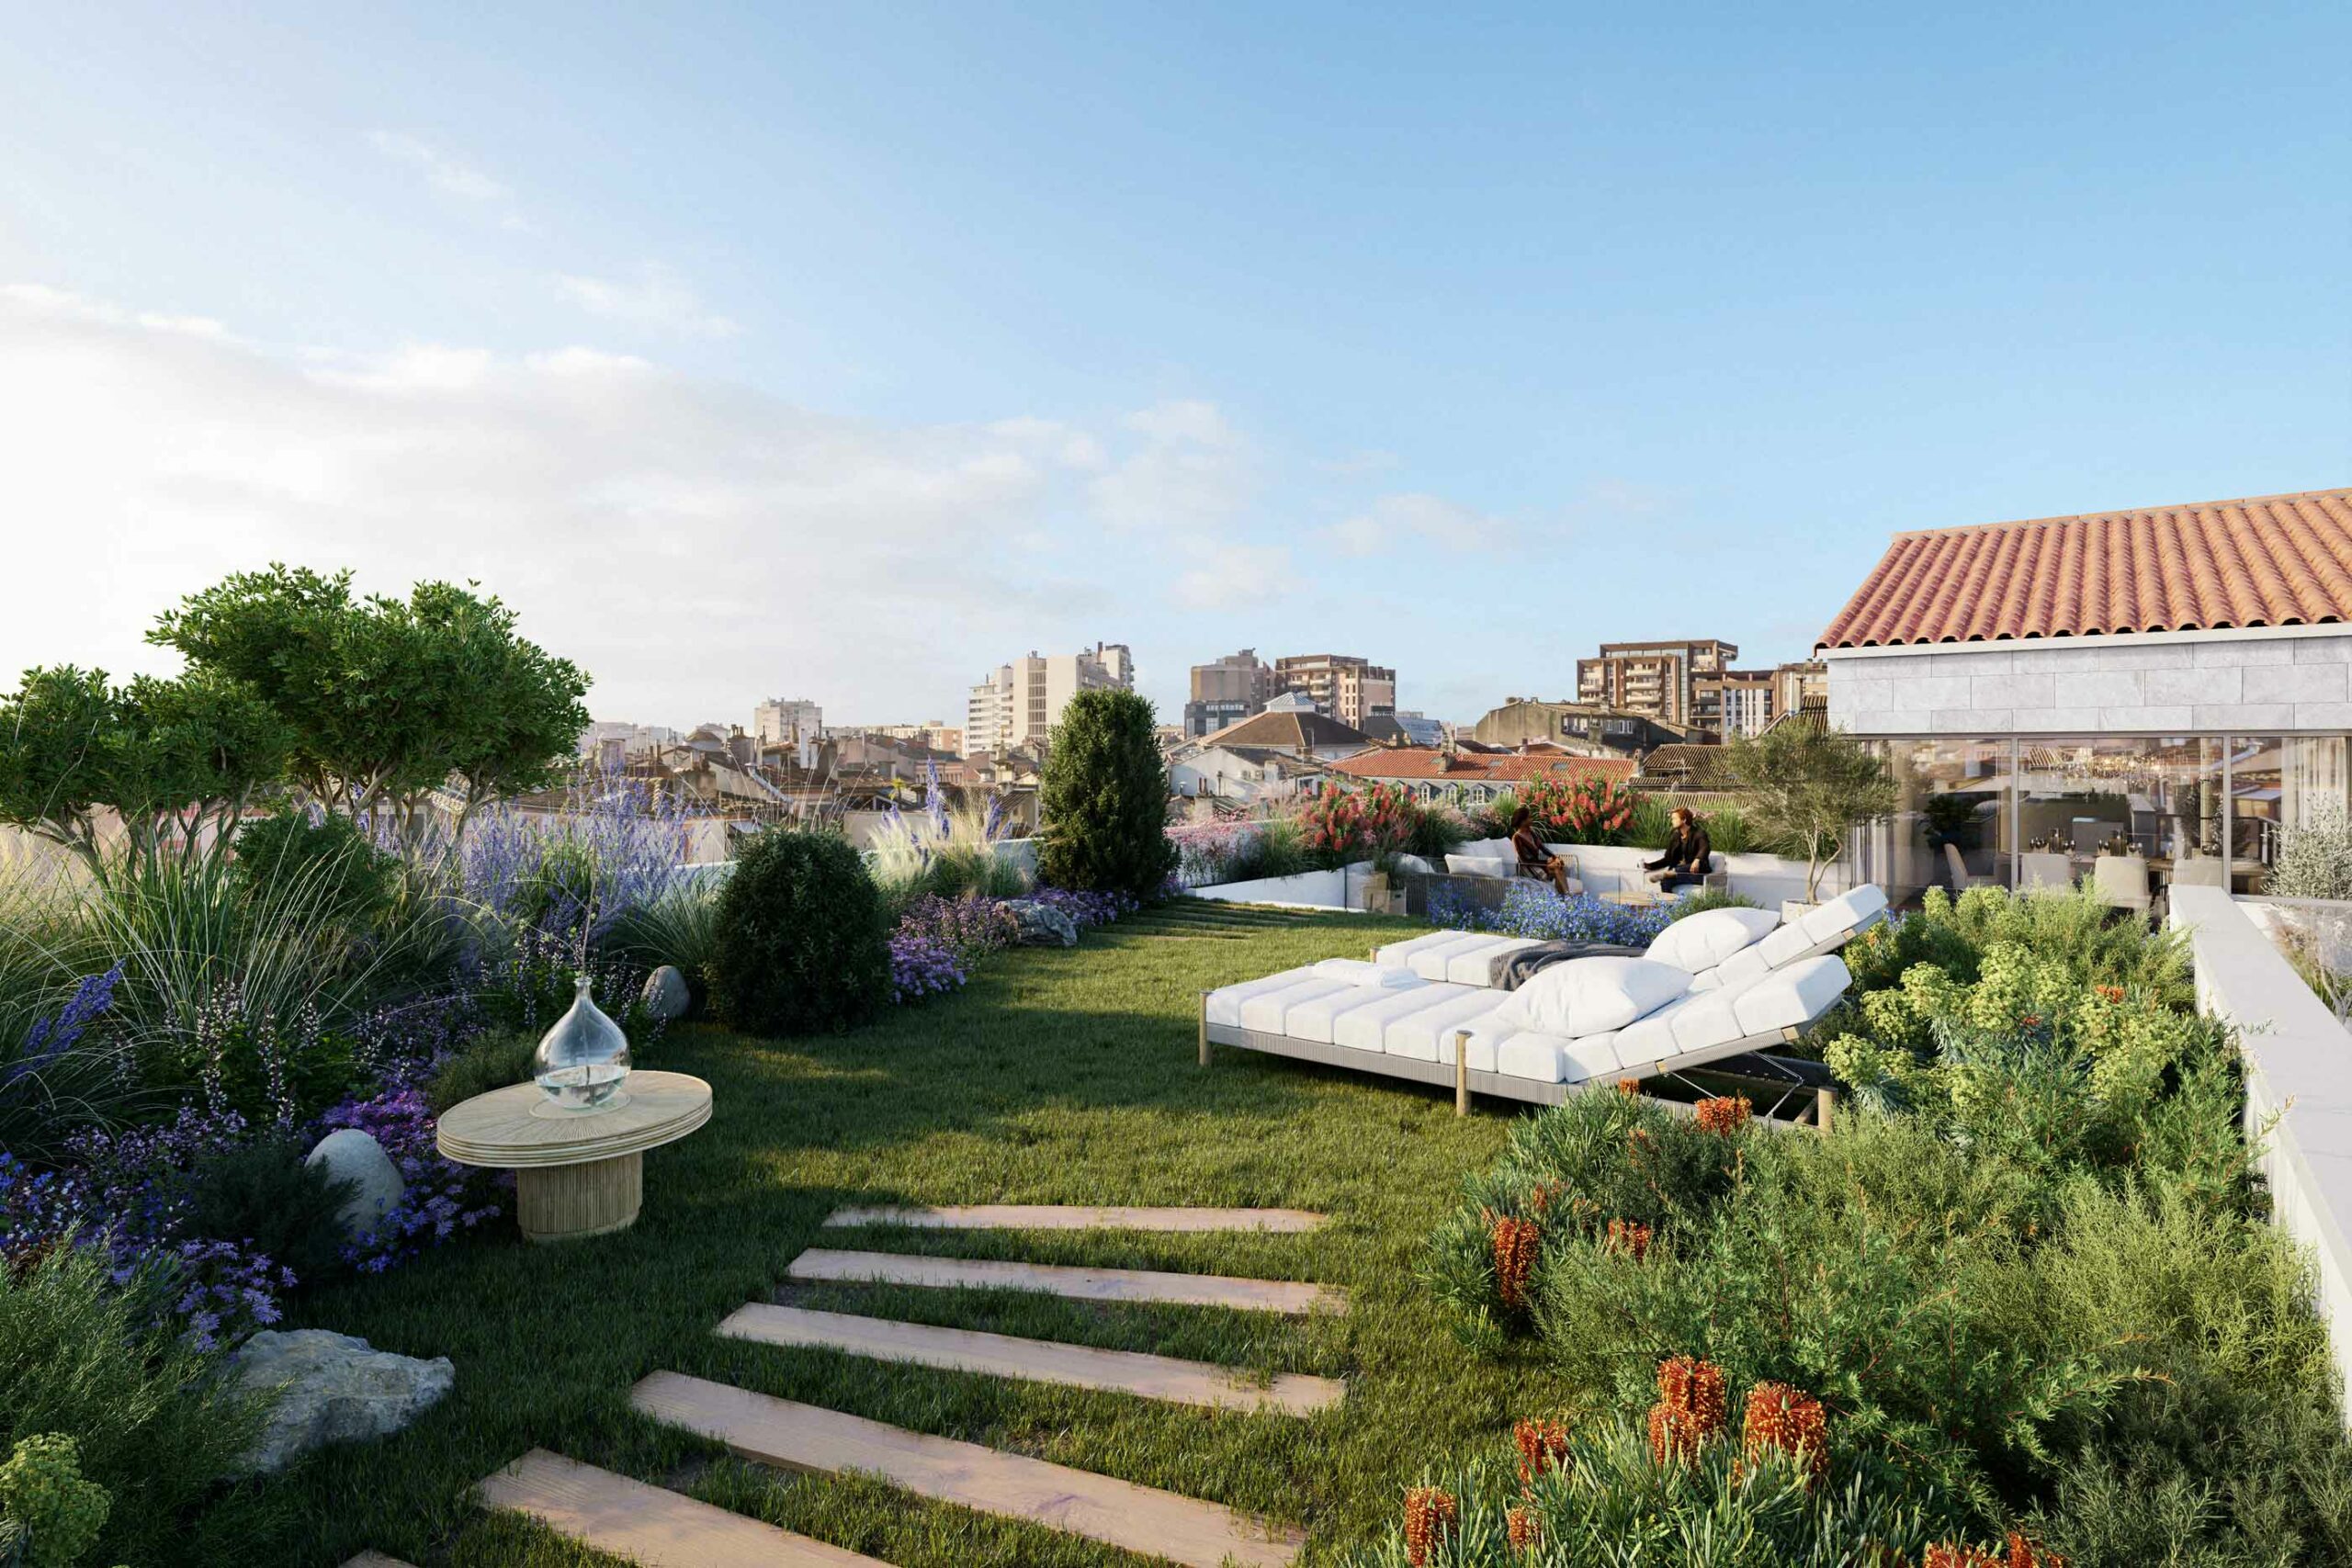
{"points": [[2278, 781], [2153, 800], [1951, 822]]}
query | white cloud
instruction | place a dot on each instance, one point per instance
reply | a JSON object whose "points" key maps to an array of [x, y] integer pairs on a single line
{"points": [[1192, 467], [688, 541], [657, 300], [449, 174], [1395, 520], [1234, 576]]}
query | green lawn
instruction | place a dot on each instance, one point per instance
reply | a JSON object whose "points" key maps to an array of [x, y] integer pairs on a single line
{"points": [[1057, 1076]]}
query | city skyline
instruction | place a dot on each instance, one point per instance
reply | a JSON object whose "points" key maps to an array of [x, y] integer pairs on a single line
{"points": [[715, 351]]}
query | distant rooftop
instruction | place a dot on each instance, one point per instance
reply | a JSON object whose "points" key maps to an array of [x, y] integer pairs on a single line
{"points": [[1482, 767], [2272, 560], [1290, 728]]}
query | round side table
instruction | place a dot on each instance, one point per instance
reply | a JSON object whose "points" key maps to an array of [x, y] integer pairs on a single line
{"points": [[577, 1173]]}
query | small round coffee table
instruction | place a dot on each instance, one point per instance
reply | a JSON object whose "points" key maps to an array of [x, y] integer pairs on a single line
{"points": [[577, 1173]]}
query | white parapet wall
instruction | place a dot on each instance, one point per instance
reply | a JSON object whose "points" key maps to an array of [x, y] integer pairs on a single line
{"points": [[2298, 1090]]}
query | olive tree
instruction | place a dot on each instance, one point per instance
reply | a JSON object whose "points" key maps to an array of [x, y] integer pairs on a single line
{"points": [[1811, 786]]}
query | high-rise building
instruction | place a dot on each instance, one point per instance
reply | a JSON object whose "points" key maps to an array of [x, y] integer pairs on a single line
{"points": [[778, 722], [1673, 681], [1021, 702], [1341, 685], [1227, 692], [1741, 700]]}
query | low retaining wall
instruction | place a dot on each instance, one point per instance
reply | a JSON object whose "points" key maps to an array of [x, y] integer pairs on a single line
{"points": [[2297, 1084], [1339, 889]]}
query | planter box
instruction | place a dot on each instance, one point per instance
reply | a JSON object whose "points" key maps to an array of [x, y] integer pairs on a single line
{"points": [[1767, 879]]}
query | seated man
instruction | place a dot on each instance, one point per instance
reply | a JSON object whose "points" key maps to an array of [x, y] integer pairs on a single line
{"points": [[1534, 859], [1688, 855]]}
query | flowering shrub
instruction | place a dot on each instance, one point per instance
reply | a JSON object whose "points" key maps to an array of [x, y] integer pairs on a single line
{"points": [[1532, 909], [923, 965], [1338, 826], [1580, 810], [49, 1514], [1088, 908], [441, 1198], [969, 927]]}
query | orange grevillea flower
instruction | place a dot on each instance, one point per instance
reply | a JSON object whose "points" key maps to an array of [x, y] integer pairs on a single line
{"points": [[1790, 1420], [1629, 1087], [2018, 1553], [2112, 993], [1543, 1446], [1691, 1407], [1516, 1242], [1526, 1531], [1431, 1513], [1725, 1114], [1629, 1237]]}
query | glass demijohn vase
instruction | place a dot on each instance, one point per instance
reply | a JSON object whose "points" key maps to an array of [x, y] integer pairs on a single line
{"points": [[584, 1060]]}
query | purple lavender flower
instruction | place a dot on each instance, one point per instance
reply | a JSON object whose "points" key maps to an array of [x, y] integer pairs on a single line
{"points": [[50, 1038]]}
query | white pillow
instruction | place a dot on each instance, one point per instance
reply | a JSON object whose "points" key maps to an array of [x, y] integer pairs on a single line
{"points": [[1591, 996], [1704, 940], [1379, 977], [1486, 849], [1482, 865]]}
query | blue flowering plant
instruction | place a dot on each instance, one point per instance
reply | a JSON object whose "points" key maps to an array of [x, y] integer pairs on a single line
{"points": [[1530, 909]]}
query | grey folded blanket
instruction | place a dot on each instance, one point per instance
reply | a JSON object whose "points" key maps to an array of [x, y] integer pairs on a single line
{"points": [[1510, 971]]}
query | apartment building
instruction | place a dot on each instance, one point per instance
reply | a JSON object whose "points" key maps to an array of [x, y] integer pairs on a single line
{"points": [[1741, 700], [1228, 691], [1021, 702], [779, 722], [1671, 681], [1341, 685]]}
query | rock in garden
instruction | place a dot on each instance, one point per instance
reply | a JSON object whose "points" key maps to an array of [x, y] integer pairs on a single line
{"points": [[666, 995], [350, 1155], [333, 1388], [1042, 925]]}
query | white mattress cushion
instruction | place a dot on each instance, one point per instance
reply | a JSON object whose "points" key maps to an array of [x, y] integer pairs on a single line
{"points": [[1429, 963], [1400, 953], [1265, 1012], [1847, 912], [1225, 1002], [1591, 996], [1704, 940], [1360, 1028], [1784, 946], [1747, 964], [1651, 1039], [1705, 980], [1416, 1034], [1709, 1020], [1526, 1055], [1317, 1018], [1359, 972], [1476, 968], [1482, 865], [1793, 997]]}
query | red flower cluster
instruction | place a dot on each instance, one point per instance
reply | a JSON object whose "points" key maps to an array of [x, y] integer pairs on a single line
{"points": [[1630, 1236], [1790, 1420], [2020, 1553], [1543, 1446], [1431, 1514], [1526, 1531], [1691, 1407], [1724, 1114], [1516, 1242], [1359, 822], [1629, 1088], [1577, 809], [2112, 993]]}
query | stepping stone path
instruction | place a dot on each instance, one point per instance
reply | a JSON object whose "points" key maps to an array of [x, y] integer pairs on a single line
{"points": [[649, 1525], [375, 1560], [1072, 1217], [1002, 1355], [807, 1436], [1060, 1279], [663, 1529]]}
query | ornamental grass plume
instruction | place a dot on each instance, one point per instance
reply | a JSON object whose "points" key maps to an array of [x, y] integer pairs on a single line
{"points": [[1791, 1421], [1431, 1514], [1691, 1407], [1543, 1446], [1629, 1237], [1516, 1242], [1726, 1113]]}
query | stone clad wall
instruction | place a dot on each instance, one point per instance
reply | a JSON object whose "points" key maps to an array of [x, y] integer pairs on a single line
{"points": [[2297, 680]]}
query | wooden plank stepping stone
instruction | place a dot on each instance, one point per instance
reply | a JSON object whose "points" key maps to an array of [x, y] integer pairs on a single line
{"points": [[649, 1525], [1080, 1284], [374, 1559], [1003, 1355], [1079, 1217], [808, 1437]]}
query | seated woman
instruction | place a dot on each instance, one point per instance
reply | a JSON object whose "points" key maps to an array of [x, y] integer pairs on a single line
{"points": [[1688, 855], [1534, 859]]}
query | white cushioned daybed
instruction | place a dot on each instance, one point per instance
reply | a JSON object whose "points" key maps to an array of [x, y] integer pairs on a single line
{"points": [[1731, 990]]}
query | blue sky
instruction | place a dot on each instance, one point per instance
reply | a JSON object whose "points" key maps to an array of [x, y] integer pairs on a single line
{"points": [[846, 351]]}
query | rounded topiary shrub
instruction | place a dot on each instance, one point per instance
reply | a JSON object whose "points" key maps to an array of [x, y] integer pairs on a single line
{"points": [[802, 942], [1103, 798]]}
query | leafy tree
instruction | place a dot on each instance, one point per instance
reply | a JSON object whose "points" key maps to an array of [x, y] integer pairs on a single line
{"points": [[389, 699], [802, 942], [1104, 798], [1810, 785], [175, 761]]}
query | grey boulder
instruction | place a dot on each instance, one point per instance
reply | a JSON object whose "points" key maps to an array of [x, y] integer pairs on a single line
{"points": [[350, 1155], [665, 994], [332, 1388], [1042, 925]]}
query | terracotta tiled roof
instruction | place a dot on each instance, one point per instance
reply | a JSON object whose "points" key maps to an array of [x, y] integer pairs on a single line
{"points": [[2273, 560], [1288, 728], [1420, 763]]}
